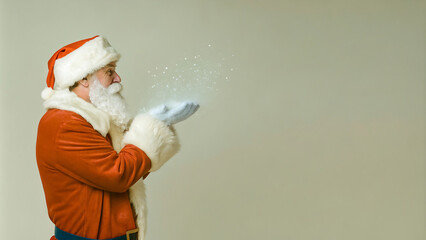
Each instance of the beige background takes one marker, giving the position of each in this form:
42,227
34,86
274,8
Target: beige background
319,134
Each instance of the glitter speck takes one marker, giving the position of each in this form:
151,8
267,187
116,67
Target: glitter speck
195,64
186,58
209,45
232,69
164,72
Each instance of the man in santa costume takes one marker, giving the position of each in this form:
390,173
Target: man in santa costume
91,159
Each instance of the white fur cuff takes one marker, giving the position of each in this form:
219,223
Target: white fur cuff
154,137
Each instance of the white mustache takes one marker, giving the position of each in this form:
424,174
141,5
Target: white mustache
114,88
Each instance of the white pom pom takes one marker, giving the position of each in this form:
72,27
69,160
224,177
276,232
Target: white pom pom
47,93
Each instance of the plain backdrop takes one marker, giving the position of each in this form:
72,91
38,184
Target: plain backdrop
319,134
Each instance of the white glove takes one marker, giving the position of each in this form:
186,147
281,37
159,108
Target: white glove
176,114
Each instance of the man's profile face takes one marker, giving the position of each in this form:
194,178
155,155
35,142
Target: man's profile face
104,93
107,75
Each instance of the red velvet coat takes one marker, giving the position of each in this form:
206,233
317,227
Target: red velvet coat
85,180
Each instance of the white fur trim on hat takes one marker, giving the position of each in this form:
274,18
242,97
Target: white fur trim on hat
154,137
90,57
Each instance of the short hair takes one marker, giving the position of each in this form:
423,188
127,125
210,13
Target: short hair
73,86
76,83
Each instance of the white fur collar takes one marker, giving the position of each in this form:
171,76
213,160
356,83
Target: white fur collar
66,100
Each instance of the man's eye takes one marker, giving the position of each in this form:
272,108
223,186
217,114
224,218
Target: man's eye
109,72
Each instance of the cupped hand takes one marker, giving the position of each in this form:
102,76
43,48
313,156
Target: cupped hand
175,114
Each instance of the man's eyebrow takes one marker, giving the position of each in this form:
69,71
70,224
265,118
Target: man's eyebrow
111,65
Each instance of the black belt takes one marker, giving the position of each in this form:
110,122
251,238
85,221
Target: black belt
62,235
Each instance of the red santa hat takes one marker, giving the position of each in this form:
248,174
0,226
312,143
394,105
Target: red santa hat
75,61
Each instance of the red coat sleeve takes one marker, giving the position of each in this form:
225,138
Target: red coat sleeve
84,154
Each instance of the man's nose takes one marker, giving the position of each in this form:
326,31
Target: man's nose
117,78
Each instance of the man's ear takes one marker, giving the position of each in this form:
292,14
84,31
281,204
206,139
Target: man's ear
84,82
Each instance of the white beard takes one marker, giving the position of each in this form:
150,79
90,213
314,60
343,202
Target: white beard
110,101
